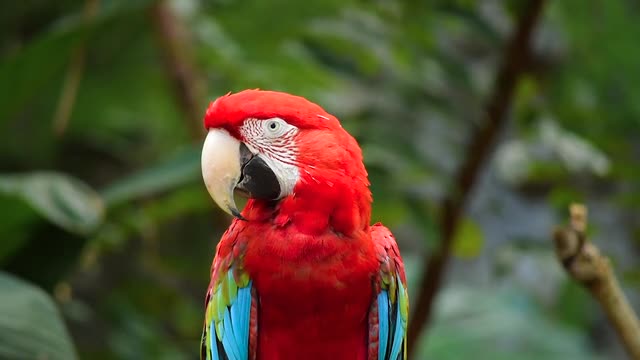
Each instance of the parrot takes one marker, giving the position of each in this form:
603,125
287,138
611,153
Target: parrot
300,273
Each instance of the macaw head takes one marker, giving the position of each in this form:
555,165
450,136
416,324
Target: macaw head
286,154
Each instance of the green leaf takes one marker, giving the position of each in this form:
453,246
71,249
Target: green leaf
30,326
468,240
179,169
63,200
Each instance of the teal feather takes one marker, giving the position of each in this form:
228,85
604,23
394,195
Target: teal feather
383,323
240,320
398,335
213,346
229,341
230,306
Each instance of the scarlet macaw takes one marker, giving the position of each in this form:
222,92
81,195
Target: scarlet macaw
300,273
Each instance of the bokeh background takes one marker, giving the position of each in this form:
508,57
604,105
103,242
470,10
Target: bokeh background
107,232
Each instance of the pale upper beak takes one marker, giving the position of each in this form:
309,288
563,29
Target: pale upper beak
221,168
228,164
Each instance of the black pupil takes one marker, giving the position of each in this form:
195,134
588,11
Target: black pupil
272,125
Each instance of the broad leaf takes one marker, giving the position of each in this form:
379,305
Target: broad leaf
30,324
177,170
63,200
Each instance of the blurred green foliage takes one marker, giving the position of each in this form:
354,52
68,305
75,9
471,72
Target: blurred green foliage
110,218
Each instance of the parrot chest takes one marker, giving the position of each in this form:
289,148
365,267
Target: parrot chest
314,295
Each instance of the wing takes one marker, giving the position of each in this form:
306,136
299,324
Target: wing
231,308
390,308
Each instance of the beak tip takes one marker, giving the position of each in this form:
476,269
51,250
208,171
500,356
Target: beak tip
237,214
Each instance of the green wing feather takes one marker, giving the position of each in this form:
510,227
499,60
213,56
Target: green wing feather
227,317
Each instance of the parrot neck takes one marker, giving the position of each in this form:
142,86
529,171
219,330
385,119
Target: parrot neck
320,203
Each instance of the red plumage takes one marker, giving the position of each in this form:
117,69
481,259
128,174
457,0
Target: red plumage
314,260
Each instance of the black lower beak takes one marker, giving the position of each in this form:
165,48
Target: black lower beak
258,181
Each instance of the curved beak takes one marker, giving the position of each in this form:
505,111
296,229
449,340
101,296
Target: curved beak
228,164
221,168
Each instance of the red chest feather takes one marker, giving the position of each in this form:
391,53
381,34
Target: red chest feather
314,292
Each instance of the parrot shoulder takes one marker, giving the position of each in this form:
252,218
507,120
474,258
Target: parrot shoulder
390,307
230,316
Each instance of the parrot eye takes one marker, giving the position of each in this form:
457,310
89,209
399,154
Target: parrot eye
275,127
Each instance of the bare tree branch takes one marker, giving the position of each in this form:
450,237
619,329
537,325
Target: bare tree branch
176,50
516,56
585,264
74,75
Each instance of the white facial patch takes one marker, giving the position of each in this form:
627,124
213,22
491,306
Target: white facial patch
274,140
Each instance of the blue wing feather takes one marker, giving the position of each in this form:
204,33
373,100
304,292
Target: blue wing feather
240,321
244,309
235,327
383,318
399,328
231,339
392,324
392,300
213,342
